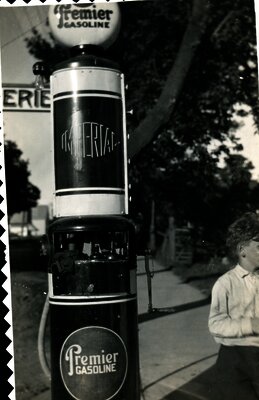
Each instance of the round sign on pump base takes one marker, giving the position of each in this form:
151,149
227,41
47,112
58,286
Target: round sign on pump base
93,360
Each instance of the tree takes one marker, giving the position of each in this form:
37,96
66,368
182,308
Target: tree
196,63
189,91
21,193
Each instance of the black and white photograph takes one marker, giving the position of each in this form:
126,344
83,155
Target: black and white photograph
130,199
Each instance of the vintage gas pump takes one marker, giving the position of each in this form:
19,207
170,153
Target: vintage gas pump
92,257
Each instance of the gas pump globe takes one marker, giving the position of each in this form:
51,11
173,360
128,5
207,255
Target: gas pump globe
92,256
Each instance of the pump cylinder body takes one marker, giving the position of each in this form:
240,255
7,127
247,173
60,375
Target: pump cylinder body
93,309
89,130
92,267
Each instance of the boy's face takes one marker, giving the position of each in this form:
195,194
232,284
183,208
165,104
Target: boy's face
249,256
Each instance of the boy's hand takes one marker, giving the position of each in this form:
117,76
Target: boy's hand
255,325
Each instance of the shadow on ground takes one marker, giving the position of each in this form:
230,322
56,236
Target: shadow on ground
203,387
165,311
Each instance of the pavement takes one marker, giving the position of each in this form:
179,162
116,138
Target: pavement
177,353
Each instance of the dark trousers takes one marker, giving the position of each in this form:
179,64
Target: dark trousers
237,371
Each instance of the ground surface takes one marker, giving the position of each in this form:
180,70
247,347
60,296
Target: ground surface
28,297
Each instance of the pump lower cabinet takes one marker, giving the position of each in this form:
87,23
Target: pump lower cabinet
93,309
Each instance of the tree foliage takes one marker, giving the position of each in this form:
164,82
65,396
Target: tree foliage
222,72
179,168
21,193
191,66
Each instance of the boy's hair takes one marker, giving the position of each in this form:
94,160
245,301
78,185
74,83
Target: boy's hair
243,230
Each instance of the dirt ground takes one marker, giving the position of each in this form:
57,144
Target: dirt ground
29,291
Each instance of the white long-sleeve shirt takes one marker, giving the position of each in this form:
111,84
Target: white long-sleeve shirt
235,301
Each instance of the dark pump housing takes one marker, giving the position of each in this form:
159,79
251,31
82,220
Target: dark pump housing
92,263
93,309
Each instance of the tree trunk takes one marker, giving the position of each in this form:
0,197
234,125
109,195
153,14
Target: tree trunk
161,112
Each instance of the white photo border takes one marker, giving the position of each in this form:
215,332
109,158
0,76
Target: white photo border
7,359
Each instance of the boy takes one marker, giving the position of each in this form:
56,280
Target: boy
234,314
